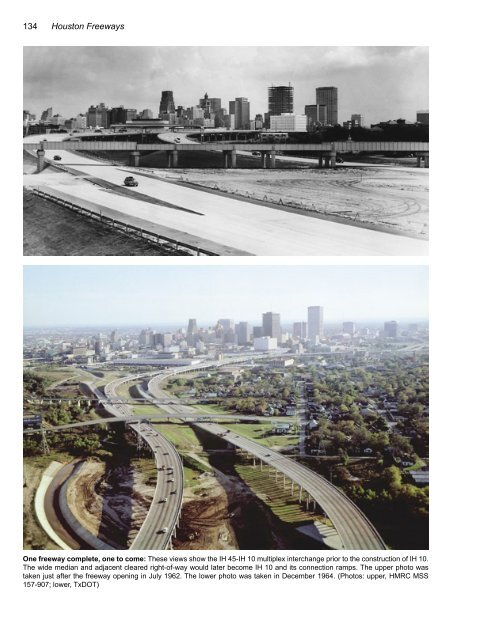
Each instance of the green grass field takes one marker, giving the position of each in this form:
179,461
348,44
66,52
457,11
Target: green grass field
259,431
272,493
181,435
145,409
185,441
211,409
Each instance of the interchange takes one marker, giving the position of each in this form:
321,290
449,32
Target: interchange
353,527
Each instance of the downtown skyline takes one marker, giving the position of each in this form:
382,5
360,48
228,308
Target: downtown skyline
73,296
381,83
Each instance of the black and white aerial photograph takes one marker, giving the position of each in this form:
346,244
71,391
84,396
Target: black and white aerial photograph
226,151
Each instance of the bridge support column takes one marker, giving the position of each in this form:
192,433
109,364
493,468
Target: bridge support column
320,161
225,158
260,460
292,488
268,160
175,158
233,159
40,160
284,482
300,494
134,158
276,475
326,159
263,160
253,464
273,159
308,499
333,159
426,161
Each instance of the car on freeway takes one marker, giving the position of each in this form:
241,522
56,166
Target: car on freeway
162,531
174,491
57,158
131,182
162,500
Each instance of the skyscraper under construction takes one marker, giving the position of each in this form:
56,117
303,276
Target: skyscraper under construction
280,100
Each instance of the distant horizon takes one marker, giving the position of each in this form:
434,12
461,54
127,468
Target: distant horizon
379,82
207,324
149,295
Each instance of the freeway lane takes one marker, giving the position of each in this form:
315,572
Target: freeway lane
353,527
164,512
251,228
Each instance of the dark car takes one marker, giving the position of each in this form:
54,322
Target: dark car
131,182
57,158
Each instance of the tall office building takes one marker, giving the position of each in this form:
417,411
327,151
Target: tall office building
349,327
192,331
300,330
211,105
243,332
46,115
271,325
240,107
316,115
423,117
98,116
280,100
119,114
391,329
328,96
227,324
257,332
167,105
357,120
314,322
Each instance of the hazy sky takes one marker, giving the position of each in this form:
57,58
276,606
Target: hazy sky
164,295
379,82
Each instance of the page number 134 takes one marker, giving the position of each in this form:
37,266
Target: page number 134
30,26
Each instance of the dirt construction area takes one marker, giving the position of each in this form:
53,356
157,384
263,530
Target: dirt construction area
110,502
394,198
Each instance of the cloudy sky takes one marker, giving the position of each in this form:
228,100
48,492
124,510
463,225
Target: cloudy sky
156,295
379,82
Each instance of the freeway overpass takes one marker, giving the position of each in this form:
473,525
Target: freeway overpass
325,151
353,527
168,211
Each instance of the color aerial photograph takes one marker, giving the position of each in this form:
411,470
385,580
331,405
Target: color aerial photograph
226,407
226,151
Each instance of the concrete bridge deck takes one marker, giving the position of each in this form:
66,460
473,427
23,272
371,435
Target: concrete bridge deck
326,151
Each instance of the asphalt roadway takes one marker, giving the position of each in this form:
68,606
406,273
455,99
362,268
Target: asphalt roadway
252,228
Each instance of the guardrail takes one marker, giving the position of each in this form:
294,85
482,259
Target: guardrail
129,229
